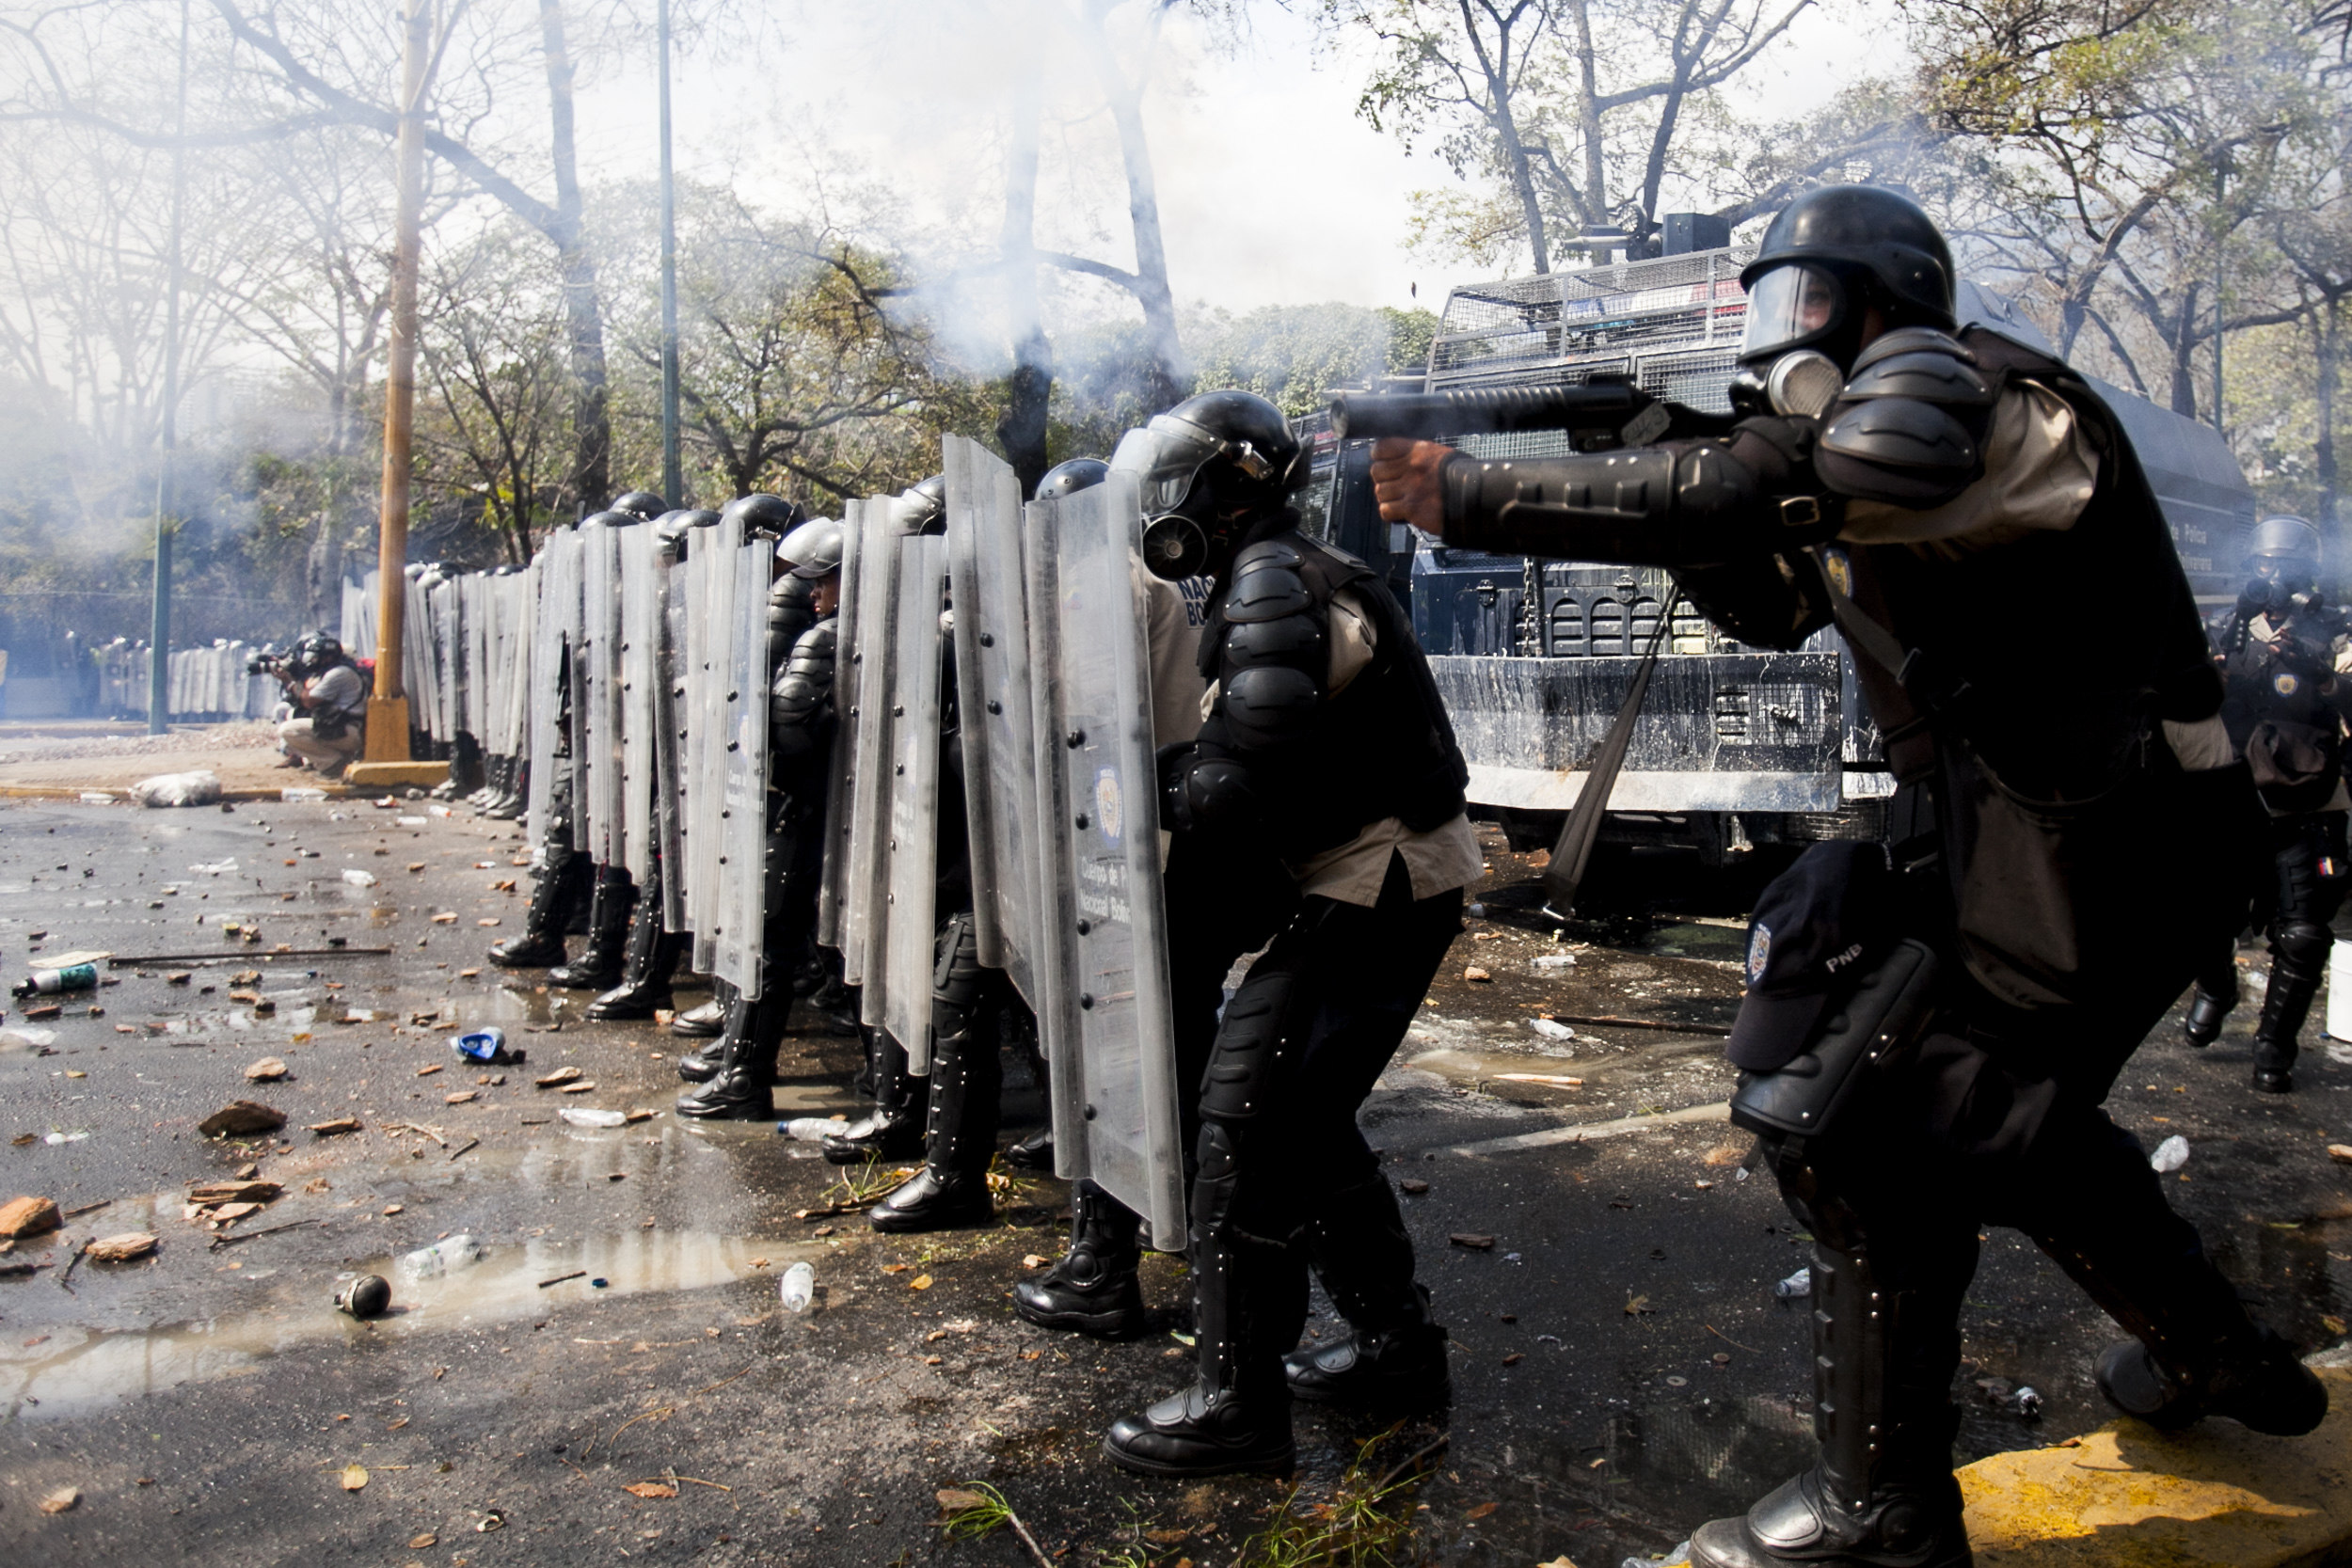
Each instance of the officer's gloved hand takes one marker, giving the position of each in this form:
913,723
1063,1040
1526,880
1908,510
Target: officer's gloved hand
1172,764
1778,449
1204,790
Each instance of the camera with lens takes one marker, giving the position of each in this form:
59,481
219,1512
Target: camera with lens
266,664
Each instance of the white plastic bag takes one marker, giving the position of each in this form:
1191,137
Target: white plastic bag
199,789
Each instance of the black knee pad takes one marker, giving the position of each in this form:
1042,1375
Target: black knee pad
1249,1046
2302,942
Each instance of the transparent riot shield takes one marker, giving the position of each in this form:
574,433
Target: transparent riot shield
993,685
840,785
1103,920
912,845
555,625
639,634
743,857
865,907
719,551
600,646
669,733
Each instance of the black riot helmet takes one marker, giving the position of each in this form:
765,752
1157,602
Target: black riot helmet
1209,470
613,519
1068,479
641,504
2282,556
315,653
1828,258
764,515
813,550
923,506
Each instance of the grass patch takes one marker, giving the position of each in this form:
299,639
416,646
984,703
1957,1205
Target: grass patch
1366,1523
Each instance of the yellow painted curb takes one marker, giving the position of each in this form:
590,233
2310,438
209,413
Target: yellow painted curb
386,775
2130,1497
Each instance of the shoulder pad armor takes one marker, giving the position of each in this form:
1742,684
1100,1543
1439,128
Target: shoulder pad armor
1912,340
1269,583
1936,378
1896,450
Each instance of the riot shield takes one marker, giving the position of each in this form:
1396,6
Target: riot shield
639,631
910,846
992,648
669,685
743,814
601,652
555,620
1104,1010
864,909
834,888
717,554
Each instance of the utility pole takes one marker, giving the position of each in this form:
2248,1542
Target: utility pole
159,622
2220,182
672,475
387,709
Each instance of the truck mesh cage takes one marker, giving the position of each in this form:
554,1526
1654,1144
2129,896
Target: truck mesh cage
1672,325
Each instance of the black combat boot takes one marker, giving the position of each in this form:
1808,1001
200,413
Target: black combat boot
1249,1300
967,1079
1394,1357
2256,1380
487,788
894,1129
514,796
744,1087
600,967
1884,1494
1034,1153
1094,1289
2208,1010
557,890
707,1022
465,769
701,1064
2298,960
651,957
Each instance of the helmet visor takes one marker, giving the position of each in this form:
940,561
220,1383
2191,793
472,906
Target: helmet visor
1165,457
1791,304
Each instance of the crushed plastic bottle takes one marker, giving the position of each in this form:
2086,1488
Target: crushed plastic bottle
2027,1403
295,795
441,1258
1554,960
1551,1028
486,1044
1797,1286
357,877
48,982
2171,1155
811,1130
580,1117
410,821
800,1288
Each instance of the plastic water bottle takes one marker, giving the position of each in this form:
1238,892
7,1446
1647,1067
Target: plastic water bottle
811,1130
579,1118
441,1258
48,982
2171,1155
800,1288
1551,1029
1796,1286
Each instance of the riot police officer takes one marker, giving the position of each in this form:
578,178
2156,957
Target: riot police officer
736,1073
1327,746
2285,711
2070,850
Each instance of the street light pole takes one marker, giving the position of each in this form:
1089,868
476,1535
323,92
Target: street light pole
672,477
159,622
387,709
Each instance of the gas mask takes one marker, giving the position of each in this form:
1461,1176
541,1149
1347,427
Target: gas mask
1187,527
1803,330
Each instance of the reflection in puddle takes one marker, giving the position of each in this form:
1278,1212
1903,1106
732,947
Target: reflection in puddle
72,1367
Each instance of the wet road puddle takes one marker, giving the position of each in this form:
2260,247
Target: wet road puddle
70,1369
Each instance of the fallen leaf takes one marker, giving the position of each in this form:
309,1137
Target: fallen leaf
584,1086
1514,1358
458,1099
447,917
1033,1260
416,865
354,1478
268,1069
895,1268
920,1282
1414,1185
340,1124
2333,1326
429,1071
122,1248
487,920
391,1208
467,974
61,1499
1482,1510
649,1489
1476,1244
1636,1305
423,1542
561,1075
955,1499
1166,1536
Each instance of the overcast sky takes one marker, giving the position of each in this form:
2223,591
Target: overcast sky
1272,190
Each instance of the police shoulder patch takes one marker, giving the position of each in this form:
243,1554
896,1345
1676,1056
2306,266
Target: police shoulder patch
1759,952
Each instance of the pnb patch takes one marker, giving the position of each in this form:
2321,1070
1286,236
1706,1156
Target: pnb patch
1107,802
2285,685
1759,952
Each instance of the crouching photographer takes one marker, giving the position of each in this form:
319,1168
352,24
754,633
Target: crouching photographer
329,699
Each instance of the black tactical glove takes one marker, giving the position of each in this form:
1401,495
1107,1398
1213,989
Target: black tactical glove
1206,792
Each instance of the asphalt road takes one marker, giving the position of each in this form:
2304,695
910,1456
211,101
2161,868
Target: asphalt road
1623,1369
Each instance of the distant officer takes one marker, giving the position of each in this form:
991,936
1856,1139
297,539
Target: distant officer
1327,746
736,1072
2070,837
330,701
2285,711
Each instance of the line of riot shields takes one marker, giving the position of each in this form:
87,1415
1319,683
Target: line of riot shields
616,691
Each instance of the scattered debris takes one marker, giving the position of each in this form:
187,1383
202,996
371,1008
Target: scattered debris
61,1499
1796,1286
368,1296
649,1489
241,1118
332,1129
28,1216
1476,973
2171,1155
122,1248
1551,1029
267,1070
1475,1242
354,1477
561,1075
